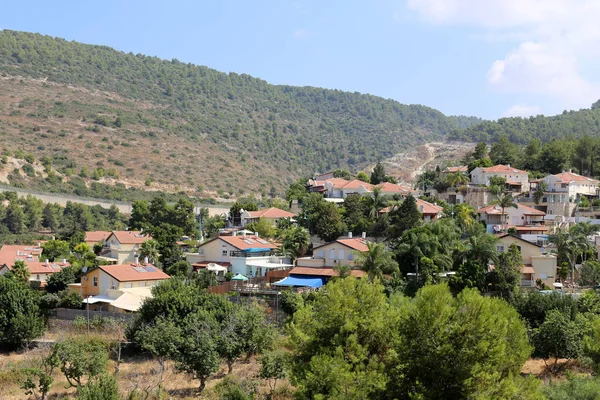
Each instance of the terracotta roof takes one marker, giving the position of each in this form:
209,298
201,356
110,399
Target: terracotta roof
531,228
358,244
505,234
324,272
131,237
428,208
355,184
46,268
460,168
567,177
494,209
134,272
272,212
527,269
11,253
337,183
503,169
388,187
246,242
96,236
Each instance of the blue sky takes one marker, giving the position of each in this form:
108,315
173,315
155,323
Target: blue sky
503,57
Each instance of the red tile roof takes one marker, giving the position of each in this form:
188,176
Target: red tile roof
503,169
46,268
428,208
572,177
131,237
247,242
355,184
388,187
96,236
358,244
460,168
324,271
11,253
494,209
272,212
337,183
134,272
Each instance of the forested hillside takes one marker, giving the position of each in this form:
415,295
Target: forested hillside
573,124
173,123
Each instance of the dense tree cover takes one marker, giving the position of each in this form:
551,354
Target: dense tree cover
29,215
355,343
286,124
21,318
181,322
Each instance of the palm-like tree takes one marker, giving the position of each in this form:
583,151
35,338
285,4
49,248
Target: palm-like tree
377,261
415,246
456,179
295,241
376,202
505,200
568,247
149,249
480,248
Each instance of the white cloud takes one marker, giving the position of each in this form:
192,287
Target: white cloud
553,40
522,110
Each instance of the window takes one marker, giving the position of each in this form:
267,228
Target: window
128,284
38,277
95,281
321,254
332,254
350,257
224,253
500,249
341,254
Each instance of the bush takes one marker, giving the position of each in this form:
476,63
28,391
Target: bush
234,388
104,388
29,171
79,323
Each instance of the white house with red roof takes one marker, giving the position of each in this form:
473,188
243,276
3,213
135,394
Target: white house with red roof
572,184
249,255
272,215
122,246
428,210
525,219
339,188
516,179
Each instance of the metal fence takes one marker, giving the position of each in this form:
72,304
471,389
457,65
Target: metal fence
70,314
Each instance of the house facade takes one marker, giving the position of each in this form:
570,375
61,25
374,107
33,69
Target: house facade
536,264
336,253
273,215
524,218
123,246
94,237
516,179
39,271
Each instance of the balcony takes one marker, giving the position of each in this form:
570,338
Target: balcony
246,254
527,283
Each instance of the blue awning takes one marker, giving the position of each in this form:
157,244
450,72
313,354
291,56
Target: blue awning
255,250
300,281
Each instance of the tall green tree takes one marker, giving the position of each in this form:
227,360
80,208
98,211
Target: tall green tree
404,217
20,271
378,174
377,261
295,239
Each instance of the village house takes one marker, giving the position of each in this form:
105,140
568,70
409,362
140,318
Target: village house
94,237
429,211
525,219
563,192
339,252
536,264
516,179
102,286
339,188
121,247
273,215
39,271
248,255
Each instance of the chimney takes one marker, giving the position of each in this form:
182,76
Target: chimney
234,233
244,233
364,235
508,165
136,259
39,244
47,262
256,234
570,170
350,235
64,260
145,260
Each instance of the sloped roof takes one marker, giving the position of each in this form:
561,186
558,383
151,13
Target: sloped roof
572,177
494,209
134,272
246,242
324,272
272,212
11,253
503,169
46,268
96,236
337,183
388,187
356,183
426,207
131,237
460,168
358,244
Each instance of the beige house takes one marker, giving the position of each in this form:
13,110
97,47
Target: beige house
524,219
38,270
94,237
536,264
123,246
516,179
338,252
273,215
101,286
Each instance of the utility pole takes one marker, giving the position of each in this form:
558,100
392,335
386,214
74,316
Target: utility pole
87,306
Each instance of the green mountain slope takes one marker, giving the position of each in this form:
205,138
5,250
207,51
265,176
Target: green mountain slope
189,125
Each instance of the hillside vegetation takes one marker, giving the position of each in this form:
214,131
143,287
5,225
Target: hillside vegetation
176,125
